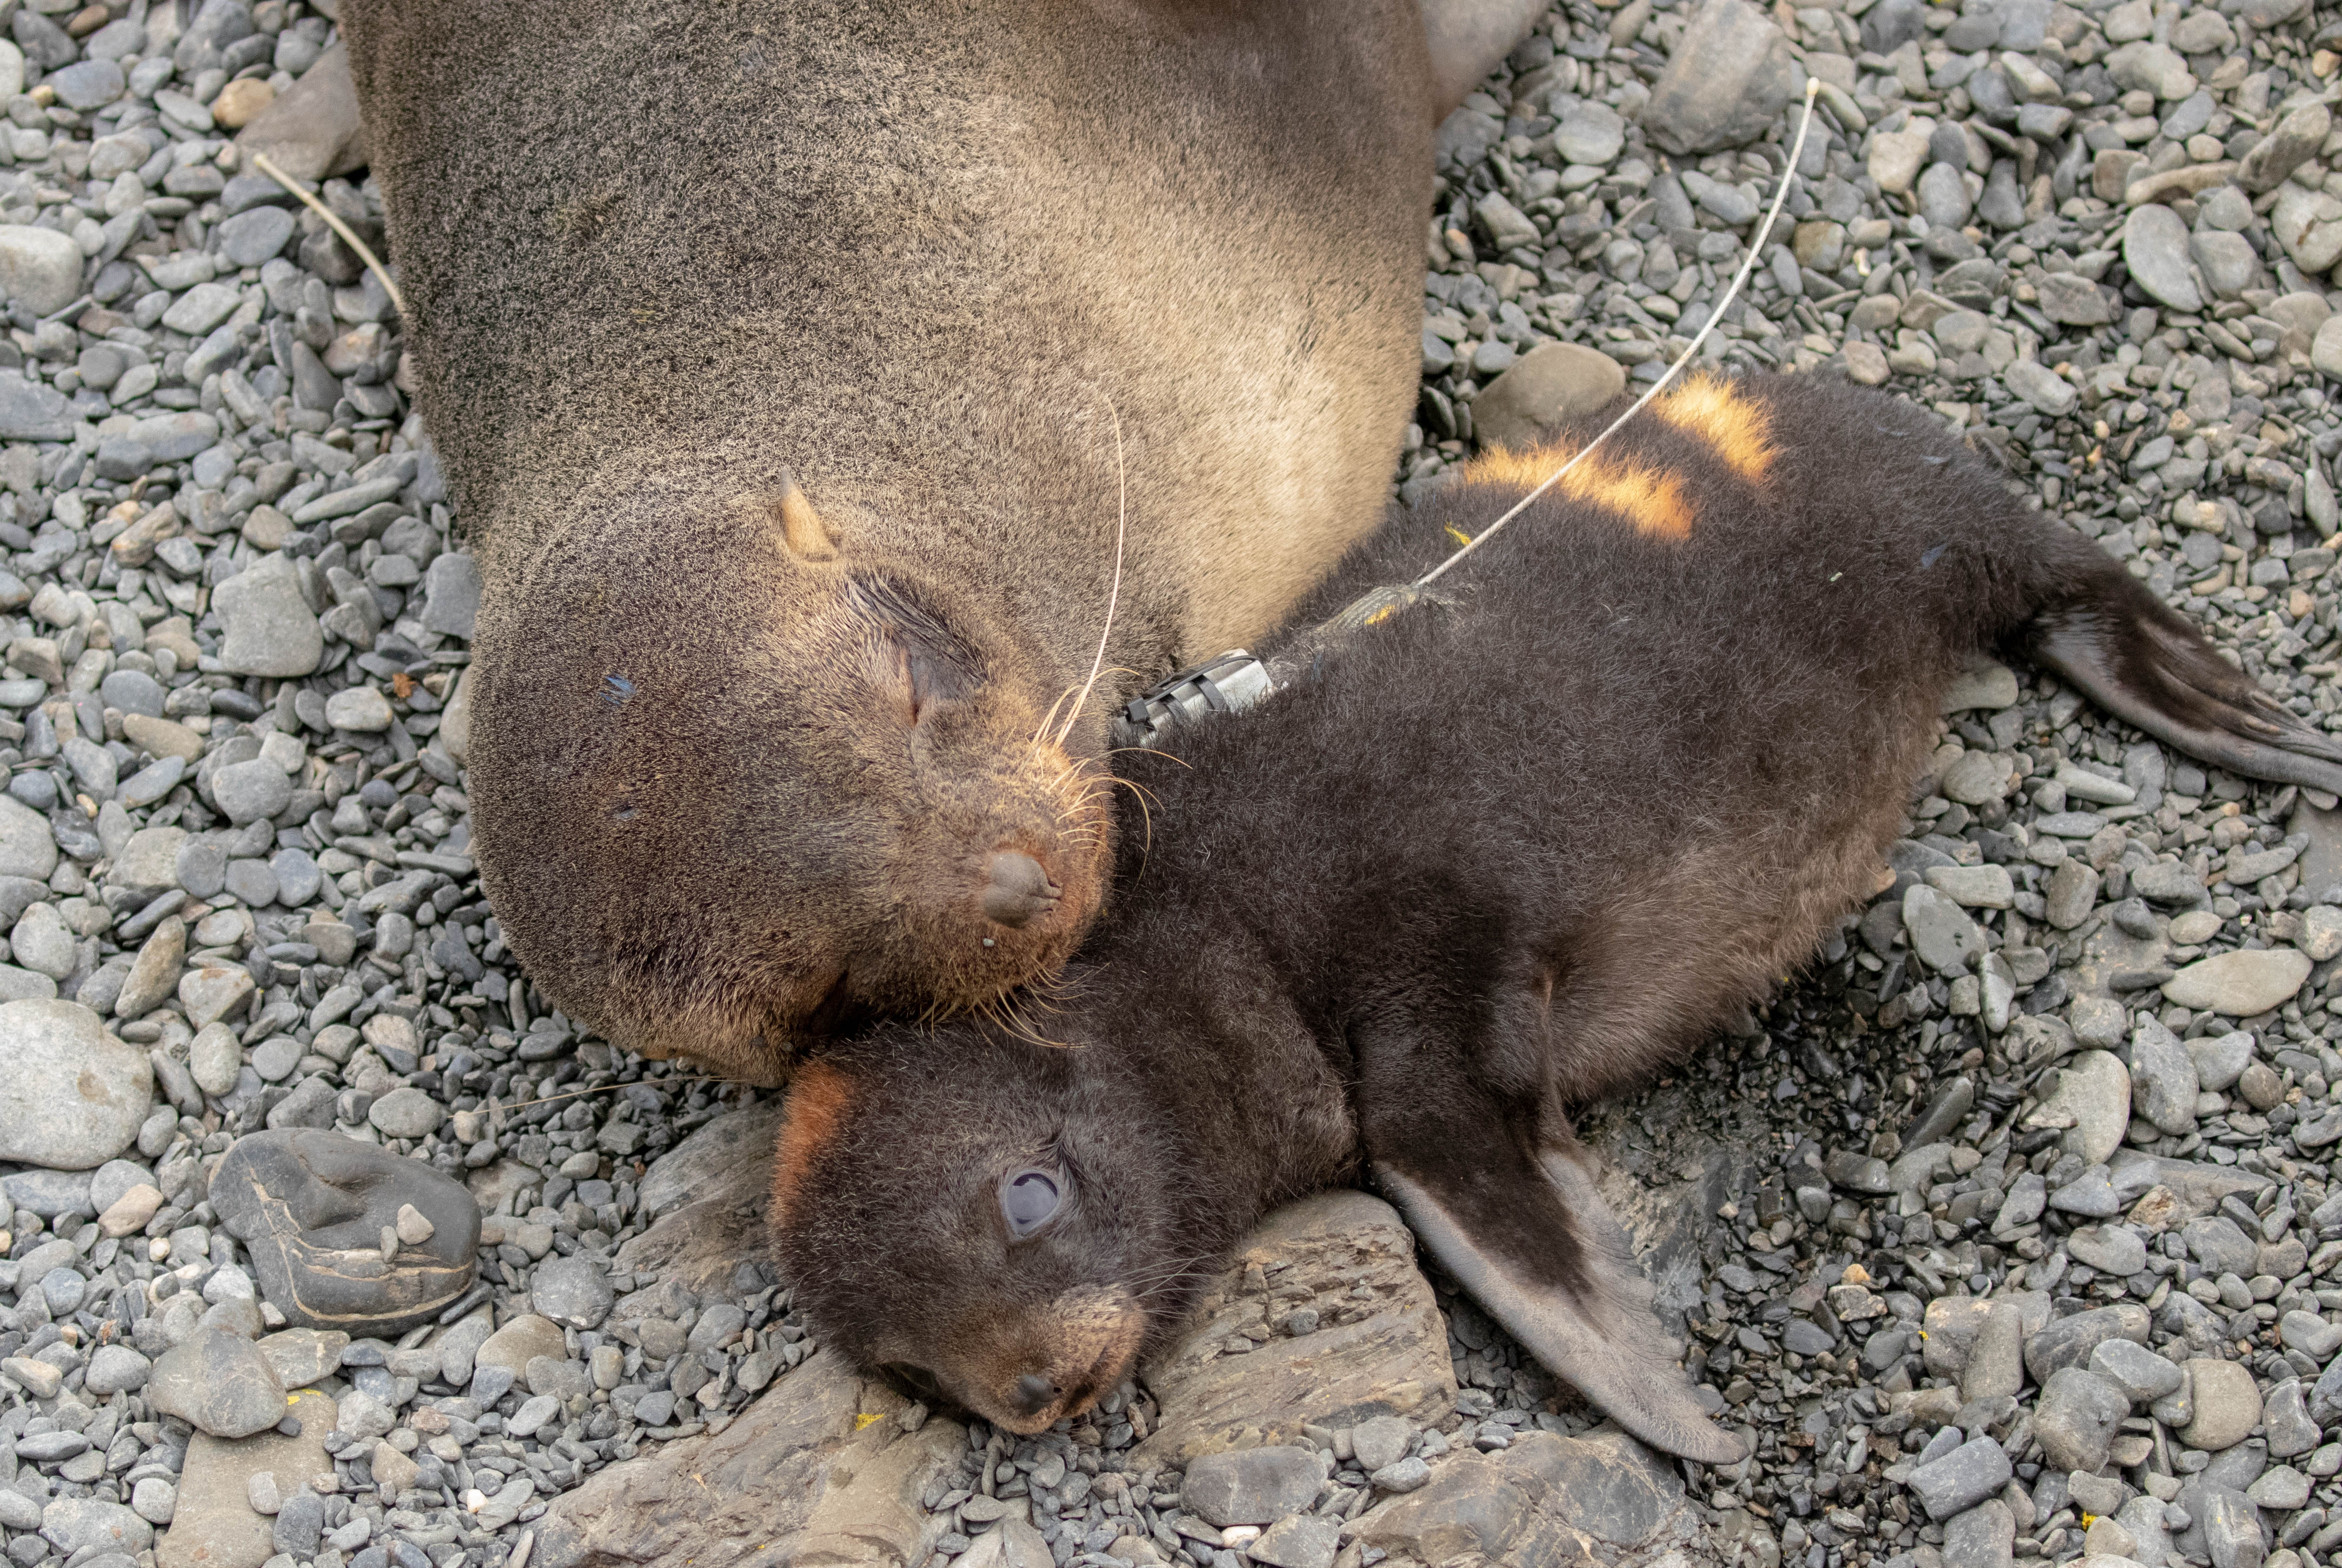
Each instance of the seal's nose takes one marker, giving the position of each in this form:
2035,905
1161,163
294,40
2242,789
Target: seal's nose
1035,1393
1019,891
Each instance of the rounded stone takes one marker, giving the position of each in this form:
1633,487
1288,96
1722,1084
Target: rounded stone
406,1113
2091,1096
1549,385
2077,1418
154,1500
1976,778
1251,1485
201,865
208,996
268,626
2241,984
71,1094
251,882
28,847
1865,365
40,942
1728,75
40,269
359,709
251,792
117,1369
574,1292
2227,1404
87,84
219,1383
239,104
2325,348
256,235
2155,249
214,1058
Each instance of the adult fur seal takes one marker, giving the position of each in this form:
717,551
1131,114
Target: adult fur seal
1487,862
797,366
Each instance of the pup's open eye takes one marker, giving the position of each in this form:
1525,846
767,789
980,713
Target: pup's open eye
1028,1201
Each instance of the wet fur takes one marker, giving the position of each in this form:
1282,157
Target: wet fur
1487,863
911,254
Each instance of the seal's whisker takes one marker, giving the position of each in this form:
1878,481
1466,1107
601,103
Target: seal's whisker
1034,748
1113,593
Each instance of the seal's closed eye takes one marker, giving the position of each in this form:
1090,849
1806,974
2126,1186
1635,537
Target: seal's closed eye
1028,1199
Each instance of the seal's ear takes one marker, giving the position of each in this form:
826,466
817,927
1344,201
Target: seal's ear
1513,1214
802,529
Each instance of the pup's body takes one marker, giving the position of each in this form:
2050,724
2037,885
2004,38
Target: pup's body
748,753
1488,861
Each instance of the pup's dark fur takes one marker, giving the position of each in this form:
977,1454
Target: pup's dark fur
750,753
1488,863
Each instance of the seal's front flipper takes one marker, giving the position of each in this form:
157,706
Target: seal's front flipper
1529,1236
2142,661
1468,38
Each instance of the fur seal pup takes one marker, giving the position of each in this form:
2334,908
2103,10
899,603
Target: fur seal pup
798,368
1478,865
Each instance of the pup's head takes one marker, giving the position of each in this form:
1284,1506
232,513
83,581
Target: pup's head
984,1217
734,782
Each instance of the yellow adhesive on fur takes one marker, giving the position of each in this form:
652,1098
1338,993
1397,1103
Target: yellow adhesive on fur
1654,502
1710,409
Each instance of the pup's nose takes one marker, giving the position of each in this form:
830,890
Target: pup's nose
1018,892
1036,1393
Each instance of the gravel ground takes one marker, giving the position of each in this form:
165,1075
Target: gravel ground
2021,1242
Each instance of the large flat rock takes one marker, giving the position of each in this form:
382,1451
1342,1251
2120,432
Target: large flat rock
1382,1353
713,1187
214,1525
818,1472
1546,1499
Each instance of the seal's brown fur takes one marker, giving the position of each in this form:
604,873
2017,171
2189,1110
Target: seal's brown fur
748,754
1480,865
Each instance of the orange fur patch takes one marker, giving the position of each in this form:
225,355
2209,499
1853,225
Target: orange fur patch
819,1097
1654,502
1711,410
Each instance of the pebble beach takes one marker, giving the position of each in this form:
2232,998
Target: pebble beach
2012,1229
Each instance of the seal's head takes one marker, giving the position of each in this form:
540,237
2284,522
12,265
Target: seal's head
1043,1198
732,783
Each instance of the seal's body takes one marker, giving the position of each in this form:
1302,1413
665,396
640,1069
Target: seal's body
1484,862
798,367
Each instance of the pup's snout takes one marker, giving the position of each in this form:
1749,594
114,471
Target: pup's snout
1035,1394
1019,891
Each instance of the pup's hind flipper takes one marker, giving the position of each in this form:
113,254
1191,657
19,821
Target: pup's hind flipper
2119,645
1598,1330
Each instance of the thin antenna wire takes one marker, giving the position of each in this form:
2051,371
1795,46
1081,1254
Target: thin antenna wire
1114,595
260,161
1747,265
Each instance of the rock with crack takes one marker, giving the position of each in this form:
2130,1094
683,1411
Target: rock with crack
709,1193
312,1207
819,1470
1336,1325
1546,1499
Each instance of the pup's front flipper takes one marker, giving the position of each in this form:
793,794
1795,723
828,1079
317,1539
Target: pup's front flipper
2142,661
1532,1240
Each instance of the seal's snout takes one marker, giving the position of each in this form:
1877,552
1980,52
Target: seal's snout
1063,1355
1035,1394
1018,891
